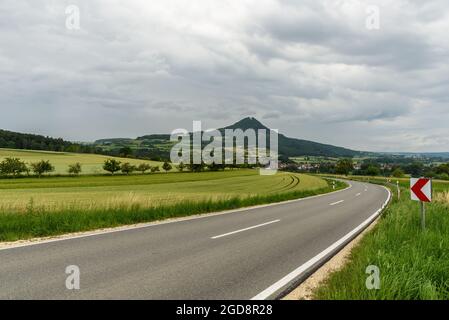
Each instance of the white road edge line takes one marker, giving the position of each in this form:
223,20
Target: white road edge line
144,225
338,202
246,229
306,266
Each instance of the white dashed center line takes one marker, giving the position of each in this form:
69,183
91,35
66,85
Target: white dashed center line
246,229
338,202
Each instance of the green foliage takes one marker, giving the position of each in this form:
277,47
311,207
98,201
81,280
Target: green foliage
15,140
167,166
181,166
155,169
41,167
126,152
143,167
111,165
443,176
344,166
373,171
398,173
127,168
12,166
75,168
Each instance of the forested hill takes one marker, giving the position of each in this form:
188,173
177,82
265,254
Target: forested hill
15,140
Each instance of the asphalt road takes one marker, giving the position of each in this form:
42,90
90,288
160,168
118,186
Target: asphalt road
238,255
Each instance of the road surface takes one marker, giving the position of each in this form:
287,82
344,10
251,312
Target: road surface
255,253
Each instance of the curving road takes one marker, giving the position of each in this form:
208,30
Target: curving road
256,253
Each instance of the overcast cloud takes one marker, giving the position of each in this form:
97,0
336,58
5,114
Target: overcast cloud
309,68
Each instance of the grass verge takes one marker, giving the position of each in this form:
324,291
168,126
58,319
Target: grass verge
413,264
41,223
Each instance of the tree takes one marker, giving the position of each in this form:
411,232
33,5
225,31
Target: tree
126,152
415,169
167,166
12,166
111,165
75,168
373,171
42,167
198,167
398,173
155,169
127,168
181,166
443,176
213,167
344,166
143,167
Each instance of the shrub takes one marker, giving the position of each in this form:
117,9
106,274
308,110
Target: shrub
12,166
111,165
128,168
42,167
75,168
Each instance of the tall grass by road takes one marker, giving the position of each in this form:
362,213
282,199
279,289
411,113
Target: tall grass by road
414,264
181,194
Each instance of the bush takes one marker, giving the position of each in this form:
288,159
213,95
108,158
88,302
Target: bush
75,168
128,168
111,165
398,173
12,166
155,169
443,176
143,167
42,167
166,166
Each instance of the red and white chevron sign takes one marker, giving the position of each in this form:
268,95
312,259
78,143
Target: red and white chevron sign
421,189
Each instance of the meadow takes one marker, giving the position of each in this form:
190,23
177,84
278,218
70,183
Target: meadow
91,163
32,207
413,263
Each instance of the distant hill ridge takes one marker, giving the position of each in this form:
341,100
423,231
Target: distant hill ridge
289,147
158,145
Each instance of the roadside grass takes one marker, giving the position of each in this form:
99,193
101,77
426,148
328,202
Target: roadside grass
91,163
414,264
189,194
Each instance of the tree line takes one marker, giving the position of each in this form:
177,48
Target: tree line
15,167
15,140
374,168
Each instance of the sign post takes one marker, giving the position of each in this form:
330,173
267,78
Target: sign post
421,190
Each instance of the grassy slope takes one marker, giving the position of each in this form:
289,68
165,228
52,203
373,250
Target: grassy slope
413,264
180,194
91,163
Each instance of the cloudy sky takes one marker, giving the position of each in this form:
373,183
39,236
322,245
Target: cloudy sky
318,70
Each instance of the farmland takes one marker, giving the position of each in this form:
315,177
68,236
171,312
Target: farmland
54,205
91,163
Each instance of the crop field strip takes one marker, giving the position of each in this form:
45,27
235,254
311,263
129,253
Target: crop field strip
149,190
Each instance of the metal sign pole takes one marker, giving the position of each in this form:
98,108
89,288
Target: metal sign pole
423,215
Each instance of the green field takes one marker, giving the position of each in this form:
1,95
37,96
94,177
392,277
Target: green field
413,264
98,192
31,207
91,163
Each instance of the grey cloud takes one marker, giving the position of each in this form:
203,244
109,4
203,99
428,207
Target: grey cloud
310,68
